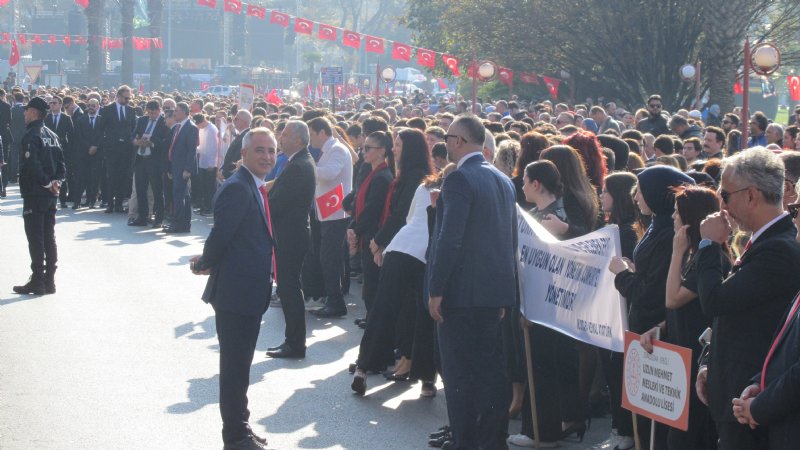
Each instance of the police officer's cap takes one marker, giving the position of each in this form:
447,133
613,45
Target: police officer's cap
37,103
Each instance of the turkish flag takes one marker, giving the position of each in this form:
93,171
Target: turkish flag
471,69
794,87
13,58
330,202
552,86
426,58
67,40
22,38
273,97
279,18
326,32
506,76
452,64
209,3
529,77
4,2
442,84
83,3
401,51
256,11
234,6
303,26
351,39
51,39
37,39
737,88
374,44
81,40
158,43
6,37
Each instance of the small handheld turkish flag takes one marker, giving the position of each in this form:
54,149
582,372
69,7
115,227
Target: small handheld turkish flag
794,87
330,202
13,59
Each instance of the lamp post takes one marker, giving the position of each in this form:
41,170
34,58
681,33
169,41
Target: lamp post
388,74
691,72
764,59
482,71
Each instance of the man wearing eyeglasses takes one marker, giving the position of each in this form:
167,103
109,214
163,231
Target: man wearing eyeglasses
747,305
655,123
120,121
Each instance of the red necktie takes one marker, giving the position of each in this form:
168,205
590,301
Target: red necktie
174,138
263,190
792,312
746,247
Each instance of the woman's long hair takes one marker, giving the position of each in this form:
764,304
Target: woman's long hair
620,187
531,146
694,203
577,187
415,156
588,146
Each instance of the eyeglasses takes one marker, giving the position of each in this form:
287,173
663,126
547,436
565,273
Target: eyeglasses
793,208
654,106
371,147
725,195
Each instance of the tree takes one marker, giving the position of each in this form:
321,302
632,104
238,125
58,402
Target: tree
154,11
94,24
127,13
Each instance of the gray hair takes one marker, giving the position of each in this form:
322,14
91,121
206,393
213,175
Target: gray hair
760,168
776,125
260,131
299,129
246,114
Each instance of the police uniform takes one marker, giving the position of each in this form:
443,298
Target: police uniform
41,163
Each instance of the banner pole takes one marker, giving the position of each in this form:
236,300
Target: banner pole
637,442
531,385
653,421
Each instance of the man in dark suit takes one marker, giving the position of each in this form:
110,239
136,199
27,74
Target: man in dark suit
62,125
120,120
182,156
241,123
151,138
5,136
290,198
72,108
748,304
772,402
475,215
88,155
17,131
238,257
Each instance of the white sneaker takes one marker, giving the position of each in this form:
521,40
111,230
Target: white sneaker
609,443
312,305
624,443
521,440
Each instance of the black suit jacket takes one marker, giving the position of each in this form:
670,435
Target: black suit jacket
368,222
184,150
5,124
64,130
746,307
118,131
233,154
17,123
778,407
76,114
87,136
289,201
160,137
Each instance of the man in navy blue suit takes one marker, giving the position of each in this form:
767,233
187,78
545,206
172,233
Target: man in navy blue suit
182,156
238,257
471,282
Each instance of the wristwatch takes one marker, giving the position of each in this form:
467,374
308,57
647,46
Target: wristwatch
704,243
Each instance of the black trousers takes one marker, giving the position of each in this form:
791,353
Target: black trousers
612,363
89,172
118,174
237,335
371,273
39,217
398,292
289,265
69,189
181,201
148,173
735,436
324,266
477,389
206,186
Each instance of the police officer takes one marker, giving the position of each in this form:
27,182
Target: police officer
41,171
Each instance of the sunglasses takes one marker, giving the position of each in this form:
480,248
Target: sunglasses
793,208
655,106
725,195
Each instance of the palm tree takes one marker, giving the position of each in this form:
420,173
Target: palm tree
94,22
154,10
126,69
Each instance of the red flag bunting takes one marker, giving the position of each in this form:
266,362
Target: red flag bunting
452,64
257,11
6,37
351,39
4,2
326,32
51,39
401,51
303,26
13,59
737,88
374,44
22,38
529,77
158,43
426,58
81,40
552,86
279,18
37,39
794,87
209,3
234,6
506,76
67,41
82,3
273,97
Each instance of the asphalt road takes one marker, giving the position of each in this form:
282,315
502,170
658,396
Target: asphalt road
125,355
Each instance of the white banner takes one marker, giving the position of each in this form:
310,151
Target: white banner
247,94
566,285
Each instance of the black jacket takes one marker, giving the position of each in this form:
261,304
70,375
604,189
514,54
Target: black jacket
87,136
402,196
233,154
64,130
41,161
289,201
368,222
160,138
118,131
746,307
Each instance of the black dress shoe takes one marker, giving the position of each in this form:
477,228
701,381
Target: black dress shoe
359,385
439,441
260,439
119,209
442,431
247,443
156,224
176,230
76,206
137,222
91,205
109,210
329,311
286,351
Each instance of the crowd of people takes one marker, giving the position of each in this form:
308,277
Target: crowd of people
417,201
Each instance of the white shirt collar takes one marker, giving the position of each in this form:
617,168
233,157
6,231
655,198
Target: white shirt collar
765,227
259,181
466,157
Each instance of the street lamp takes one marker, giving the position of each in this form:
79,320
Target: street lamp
388,74
691,72
764,60
483,71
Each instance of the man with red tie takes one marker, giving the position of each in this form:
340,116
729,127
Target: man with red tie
748,304
773,400
238,256
182,157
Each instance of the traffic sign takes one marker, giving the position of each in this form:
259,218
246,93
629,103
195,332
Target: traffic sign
332,76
